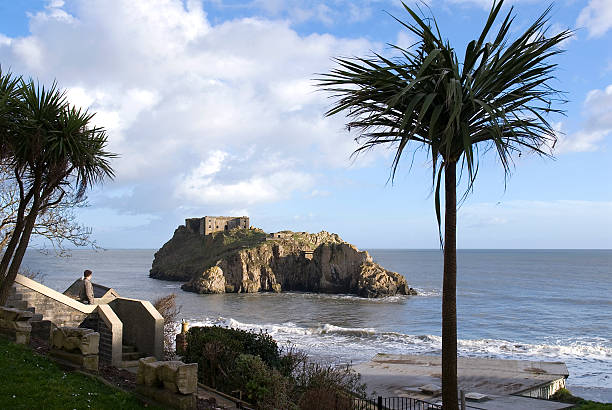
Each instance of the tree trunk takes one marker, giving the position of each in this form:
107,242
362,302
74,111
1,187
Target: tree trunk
10,249
15,238
9,279
449,291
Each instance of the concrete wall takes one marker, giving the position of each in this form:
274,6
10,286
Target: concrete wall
143,326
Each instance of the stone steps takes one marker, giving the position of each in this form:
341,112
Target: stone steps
15,300
41,329
129,349
129,364
18,304
132,356
14,296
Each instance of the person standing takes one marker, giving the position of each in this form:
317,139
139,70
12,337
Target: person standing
86,294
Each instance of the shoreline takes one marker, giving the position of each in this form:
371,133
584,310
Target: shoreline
506,307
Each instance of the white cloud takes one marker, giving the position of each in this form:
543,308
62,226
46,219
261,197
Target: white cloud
359,12
598,104
29,51
203,187
596,17
580,141
597,126
4,40
405,39
230,107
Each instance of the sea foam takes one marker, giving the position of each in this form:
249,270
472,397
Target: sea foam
587,359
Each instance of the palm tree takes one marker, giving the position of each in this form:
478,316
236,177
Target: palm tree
496,99
52,151
8,97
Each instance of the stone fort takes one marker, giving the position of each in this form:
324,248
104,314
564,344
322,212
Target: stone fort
211,224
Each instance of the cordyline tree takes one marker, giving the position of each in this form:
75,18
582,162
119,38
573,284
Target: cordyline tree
496,99
52,151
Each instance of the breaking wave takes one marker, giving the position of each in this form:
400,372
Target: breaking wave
588,360
431,292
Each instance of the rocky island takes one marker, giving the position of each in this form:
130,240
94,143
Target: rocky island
242,259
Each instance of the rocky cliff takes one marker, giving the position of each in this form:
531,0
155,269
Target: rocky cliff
242,260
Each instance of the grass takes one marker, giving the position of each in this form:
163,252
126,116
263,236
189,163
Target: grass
188,254
32,381
564,396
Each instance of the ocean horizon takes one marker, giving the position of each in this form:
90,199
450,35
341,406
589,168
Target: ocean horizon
524,304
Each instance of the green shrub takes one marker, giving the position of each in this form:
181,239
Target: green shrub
565,396
251,365
259,384
326,384
216,349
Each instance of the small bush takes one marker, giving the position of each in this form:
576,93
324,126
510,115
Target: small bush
565,396
251,366
259,384
326,385
216,349
291,360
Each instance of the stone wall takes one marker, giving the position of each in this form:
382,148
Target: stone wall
14,323
61,310
172,383
211,224
57,312
76,345
94,322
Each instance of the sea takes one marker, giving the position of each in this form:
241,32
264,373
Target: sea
550,305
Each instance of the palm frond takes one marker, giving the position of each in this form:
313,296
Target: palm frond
52,140
498,97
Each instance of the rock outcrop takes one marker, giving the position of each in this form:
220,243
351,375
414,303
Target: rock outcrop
243,260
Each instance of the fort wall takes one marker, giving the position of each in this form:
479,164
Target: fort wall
212,224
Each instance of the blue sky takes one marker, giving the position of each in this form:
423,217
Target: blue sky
211,106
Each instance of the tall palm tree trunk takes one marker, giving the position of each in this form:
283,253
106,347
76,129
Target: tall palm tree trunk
449,291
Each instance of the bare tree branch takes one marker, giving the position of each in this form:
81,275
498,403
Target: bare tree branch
56,224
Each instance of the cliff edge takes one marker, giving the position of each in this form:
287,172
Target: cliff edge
246,260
